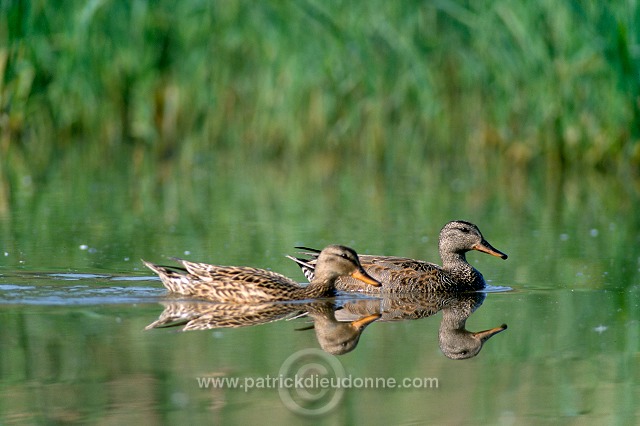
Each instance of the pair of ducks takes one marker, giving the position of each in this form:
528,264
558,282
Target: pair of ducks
334,268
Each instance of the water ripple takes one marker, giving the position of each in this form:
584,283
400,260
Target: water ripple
87,289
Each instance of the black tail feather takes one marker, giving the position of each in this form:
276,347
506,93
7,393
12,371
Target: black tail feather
312,250
308,269
303,263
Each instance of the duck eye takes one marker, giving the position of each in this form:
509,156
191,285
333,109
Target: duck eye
465,230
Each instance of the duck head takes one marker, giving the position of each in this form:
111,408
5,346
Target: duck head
460,237
335,261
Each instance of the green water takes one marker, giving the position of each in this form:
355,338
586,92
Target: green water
231,132
75,299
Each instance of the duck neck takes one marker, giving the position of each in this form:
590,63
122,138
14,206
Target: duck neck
451,322
321,286
455,314
455,263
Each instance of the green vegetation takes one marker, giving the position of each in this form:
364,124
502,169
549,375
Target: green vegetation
388,83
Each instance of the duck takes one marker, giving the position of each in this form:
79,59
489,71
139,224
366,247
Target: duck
406,275
244,284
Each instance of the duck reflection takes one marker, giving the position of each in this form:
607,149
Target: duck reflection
456,342
335,337
338,324
203,315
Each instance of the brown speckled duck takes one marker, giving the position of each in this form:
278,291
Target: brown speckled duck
243,284
404,275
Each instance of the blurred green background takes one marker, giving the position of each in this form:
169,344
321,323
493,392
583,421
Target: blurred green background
384,83
128,125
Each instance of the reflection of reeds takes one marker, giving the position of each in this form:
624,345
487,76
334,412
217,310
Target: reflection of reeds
386,82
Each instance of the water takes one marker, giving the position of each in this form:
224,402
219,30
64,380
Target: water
75,299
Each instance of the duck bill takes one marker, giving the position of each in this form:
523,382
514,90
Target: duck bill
365,278
365,321
486,334
485,247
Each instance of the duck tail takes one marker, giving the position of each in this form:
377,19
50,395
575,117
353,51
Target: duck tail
308,267
311,252
174,279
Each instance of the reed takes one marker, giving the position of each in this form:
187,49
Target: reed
392,84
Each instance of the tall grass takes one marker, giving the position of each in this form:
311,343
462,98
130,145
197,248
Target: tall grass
393,84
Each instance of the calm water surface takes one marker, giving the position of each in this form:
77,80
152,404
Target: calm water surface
75,301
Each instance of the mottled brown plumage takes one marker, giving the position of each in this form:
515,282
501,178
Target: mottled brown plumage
243,284
404,275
